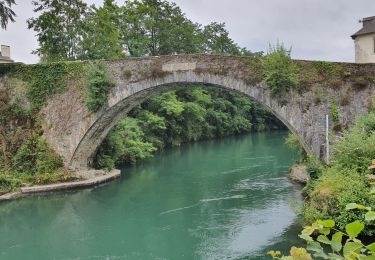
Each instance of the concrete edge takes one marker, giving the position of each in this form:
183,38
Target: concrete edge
11,196
93,181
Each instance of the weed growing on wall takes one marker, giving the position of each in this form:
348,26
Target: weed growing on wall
279,70
335,115
328,69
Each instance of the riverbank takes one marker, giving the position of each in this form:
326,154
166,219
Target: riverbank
87,179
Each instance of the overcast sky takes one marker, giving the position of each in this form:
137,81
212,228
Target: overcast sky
316,29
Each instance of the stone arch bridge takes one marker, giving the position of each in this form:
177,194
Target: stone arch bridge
75,133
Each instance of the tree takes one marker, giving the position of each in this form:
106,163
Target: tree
69,30
59,28
157,27
101,39
6,13
217,41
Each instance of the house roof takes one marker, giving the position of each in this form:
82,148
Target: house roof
368,27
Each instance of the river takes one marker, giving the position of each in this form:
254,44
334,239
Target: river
219,199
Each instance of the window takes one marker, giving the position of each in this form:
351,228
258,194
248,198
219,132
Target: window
373,40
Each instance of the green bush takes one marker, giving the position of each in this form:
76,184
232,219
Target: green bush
357,147
314,166
342,243
153,126
345,181
32,161
279,71
7,183
99,85
330,194
35,157
124,144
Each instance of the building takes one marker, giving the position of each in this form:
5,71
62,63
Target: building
5,54
364,41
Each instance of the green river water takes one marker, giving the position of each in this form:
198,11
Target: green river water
220,199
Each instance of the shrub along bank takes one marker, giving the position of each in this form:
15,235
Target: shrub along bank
339,207
345,180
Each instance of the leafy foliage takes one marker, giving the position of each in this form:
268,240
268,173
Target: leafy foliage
279,70
34,157
314,166
181,116
99,85
30,161
101,37
332,192
125,143
345,181
356,149
216,40
43,80
6,13
156,27
59,28
72,30
322,235
326,68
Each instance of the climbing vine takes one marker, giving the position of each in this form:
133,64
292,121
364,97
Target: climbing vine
43,80
99,85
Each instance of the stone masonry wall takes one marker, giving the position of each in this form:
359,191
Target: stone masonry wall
75,133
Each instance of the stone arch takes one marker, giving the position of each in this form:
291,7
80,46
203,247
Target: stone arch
75,133
125,96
